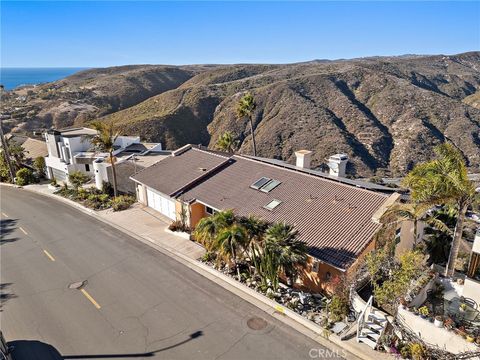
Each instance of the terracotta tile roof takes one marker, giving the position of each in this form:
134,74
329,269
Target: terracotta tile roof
182,168
333,218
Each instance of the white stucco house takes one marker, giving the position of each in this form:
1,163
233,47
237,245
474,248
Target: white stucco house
70,150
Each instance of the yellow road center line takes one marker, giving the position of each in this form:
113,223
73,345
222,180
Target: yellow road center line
89,297
23,230
4,214
49,255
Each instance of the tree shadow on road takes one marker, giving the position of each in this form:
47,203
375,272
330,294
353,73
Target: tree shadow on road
7,226
4,295
33,349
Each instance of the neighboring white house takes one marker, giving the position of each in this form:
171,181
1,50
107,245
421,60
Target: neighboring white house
471,287
70,150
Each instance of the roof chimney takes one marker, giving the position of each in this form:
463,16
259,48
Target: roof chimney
338,164
303,158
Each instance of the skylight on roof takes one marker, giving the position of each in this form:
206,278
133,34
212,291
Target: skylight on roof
259,183
272,204
272,184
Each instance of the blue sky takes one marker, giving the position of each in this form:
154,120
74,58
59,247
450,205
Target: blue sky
84,34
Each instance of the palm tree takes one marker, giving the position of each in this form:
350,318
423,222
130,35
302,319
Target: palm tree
255,230
226,142
210,227
291,252
104,141
245,108
229,242
444,181
414,212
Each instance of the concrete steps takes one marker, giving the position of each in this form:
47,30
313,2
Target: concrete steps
368,341
371,326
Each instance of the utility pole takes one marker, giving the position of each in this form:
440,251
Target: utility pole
5,145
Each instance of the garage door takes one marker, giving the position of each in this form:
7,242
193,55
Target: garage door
161,203
59,174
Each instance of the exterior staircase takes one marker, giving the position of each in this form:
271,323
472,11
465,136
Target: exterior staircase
371,325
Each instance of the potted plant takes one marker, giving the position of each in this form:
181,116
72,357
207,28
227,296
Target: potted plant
448,323
438,322
477,341
423,311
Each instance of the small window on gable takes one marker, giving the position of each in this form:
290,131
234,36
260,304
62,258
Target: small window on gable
209,210
87,167
259,183
272,204
315,266
328,275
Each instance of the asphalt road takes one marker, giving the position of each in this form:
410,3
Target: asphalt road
137,302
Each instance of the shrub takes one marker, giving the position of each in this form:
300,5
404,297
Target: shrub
338,308
39,164
65,191
178,225
82,194
77,179
98,201
417,351
24,177
122,202
405,351
107,188
209,256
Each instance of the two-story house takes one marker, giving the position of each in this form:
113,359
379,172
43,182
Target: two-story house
71,150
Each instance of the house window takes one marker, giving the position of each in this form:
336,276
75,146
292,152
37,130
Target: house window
87,167
209,210
315,266
328,276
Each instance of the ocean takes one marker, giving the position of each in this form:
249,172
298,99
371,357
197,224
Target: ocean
10,78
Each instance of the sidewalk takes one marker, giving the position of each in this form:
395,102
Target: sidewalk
148,226
151,225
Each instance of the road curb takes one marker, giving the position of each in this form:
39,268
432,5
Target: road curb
271,307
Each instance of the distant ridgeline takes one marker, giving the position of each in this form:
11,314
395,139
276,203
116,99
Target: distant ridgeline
385,113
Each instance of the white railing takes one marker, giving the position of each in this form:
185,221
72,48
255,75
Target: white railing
364,315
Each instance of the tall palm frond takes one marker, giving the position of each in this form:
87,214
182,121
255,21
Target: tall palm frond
226,142
281,241
255,230
414,212
104,140
208,228
245,108
444,180
229,242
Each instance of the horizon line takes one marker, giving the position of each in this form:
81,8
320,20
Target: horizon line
239,63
